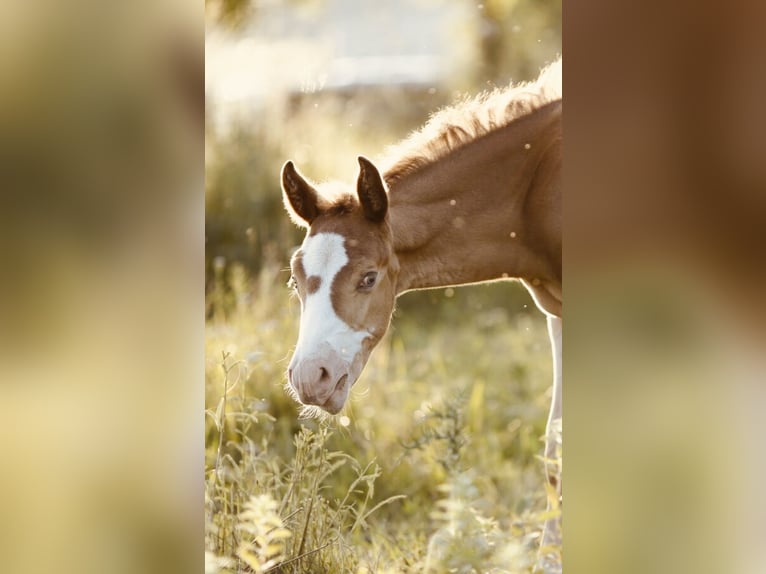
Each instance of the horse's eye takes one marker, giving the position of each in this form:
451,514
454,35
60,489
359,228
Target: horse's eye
368,281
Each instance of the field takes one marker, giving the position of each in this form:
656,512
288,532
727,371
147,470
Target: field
433,466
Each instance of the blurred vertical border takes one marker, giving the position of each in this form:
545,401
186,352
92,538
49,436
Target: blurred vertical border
101,301
665,267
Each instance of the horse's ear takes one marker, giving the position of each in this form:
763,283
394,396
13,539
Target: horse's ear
371,191
300,198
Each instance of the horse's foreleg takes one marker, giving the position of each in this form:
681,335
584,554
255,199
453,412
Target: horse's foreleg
552,528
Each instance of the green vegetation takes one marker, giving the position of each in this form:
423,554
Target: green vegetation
434,464
432,467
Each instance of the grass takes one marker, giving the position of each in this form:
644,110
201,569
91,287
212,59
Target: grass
434,464
432,467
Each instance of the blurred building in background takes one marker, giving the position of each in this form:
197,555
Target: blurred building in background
342,45
333,45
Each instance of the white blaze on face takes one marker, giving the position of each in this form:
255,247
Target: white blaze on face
324,338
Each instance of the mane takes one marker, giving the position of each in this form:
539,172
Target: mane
453,127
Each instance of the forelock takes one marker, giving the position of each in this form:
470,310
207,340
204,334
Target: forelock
337,198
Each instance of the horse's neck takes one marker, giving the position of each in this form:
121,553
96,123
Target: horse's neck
465,217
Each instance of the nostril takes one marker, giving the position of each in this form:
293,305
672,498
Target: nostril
323,374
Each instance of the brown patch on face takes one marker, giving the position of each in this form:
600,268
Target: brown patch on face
313,283
296,266
369,247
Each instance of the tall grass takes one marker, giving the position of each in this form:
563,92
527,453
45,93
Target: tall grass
432,467
434,464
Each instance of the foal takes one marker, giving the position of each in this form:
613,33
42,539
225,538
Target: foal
474,196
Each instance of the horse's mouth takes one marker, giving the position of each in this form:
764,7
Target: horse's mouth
331,405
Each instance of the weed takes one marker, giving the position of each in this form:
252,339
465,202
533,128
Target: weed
432,467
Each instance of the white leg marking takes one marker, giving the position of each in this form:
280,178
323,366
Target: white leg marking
554,331
552,527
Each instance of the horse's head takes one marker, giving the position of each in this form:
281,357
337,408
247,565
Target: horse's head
345,275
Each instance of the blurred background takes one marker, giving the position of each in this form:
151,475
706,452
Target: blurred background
101,246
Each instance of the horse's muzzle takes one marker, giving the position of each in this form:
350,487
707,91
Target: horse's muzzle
321,382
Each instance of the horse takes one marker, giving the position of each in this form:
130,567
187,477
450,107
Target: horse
473,196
